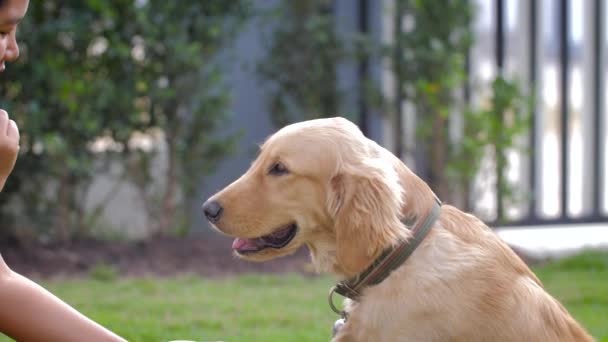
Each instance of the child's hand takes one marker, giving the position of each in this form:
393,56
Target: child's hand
9,146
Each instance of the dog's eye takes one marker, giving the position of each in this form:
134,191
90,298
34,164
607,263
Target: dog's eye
278,169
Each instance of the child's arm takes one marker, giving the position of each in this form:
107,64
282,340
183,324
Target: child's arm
9,146
30,313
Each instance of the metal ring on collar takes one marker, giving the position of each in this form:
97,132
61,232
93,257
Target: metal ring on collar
331,302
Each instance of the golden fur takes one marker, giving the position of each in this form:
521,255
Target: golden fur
347,196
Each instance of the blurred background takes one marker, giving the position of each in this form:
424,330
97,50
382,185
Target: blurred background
133,112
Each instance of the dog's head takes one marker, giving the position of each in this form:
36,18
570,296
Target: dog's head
319,183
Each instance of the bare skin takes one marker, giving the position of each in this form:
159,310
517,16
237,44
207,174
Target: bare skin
28,311
9,146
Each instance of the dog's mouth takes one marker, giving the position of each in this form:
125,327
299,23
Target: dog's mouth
277,239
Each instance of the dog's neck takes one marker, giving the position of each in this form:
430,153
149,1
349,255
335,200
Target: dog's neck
391,258
418,201
419,198
323,254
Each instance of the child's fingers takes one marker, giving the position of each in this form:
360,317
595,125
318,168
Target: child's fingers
3,121
13,130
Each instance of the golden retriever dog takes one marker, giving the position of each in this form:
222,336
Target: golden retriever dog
322,184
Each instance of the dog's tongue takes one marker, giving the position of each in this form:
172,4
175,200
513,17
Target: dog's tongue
244,244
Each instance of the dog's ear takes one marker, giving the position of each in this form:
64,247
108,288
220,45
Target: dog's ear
365,201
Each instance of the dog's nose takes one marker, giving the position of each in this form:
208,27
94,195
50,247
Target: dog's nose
213,211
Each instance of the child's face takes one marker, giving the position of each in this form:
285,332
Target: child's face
11,13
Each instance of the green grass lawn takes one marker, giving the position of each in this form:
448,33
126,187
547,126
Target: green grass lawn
279,308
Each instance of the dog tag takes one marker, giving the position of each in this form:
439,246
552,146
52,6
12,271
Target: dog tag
337,326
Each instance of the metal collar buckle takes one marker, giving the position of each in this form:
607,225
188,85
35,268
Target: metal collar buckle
331,303
340,322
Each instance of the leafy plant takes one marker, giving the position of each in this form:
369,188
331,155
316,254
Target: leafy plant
64,93
180,90
300,67
428,57
494,127
105,72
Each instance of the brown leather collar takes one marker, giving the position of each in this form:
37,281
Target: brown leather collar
390,259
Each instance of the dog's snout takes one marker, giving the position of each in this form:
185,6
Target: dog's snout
213,210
